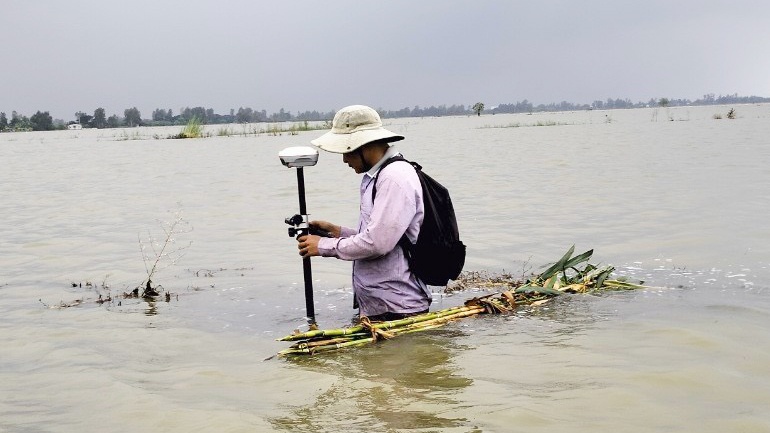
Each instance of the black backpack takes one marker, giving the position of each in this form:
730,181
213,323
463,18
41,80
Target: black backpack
439,254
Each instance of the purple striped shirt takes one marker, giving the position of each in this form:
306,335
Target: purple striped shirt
382,281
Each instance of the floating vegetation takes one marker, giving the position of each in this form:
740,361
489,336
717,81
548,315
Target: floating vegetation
102,295
563,276
274,129
196,129
225,131
730,115
125,136
526,125
295,128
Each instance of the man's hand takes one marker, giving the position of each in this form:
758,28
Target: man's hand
308,245
334,230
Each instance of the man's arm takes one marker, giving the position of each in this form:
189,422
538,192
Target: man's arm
391,214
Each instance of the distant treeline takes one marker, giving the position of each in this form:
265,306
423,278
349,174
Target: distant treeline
611,104
42,121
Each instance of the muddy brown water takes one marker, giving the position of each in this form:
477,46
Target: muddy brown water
672,196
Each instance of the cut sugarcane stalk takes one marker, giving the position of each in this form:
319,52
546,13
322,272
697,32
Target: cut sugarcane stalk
561,277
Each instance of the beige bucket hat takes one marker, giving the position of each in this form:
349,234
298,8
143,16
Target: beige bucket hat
352,127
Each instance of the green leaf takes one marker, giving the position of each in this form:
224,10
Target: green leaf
536,289
579,259
566,262
558,266
603,275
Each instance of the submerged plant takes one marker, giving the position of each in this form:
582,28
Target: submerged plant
519,125
275,130
225,131
160,253
125,136
193,129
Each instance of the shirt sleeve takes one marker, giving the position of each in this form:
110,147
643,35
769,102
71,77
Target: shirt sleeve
392,213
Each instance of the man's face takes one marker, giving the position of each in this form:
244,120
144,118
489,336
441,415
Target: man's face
354,161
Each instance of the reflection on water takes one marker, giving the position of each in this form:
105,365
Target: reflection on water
406,383
416,382
152,308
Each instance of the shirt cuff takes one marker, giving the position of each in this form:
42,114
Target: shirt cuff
327,247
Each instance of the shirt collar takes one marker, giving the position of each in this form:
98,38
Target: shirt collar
391,152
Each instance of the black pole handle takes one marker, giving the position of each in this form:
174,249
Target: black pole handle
307,271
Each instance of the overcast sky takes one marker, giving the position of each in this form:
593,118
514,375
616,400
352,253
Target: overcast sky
79,55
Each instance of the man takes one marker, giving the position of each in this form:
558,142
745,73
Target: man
383,285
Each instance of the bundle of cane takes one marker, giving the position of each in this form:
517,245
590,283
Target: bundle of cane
562,277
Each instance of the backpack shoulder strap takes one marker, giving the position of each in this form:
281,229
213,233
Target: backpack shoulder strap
390,160
404,242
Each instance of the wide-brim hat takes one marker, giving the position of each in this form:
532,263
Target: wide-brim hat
353,127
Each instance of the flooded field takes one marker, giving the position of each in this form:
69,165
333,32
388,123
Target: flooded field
671,196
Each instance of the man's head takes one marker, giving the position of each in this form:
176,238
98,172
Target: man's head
352,128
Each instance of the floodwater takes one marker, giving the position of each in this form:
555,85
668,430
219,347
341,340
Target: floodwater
671,196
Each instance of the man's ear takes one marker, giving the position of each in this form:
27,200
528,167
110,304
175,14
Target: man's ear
373,151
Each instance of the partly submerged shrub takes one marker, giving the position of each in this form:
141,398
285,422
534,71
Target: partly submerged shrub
193,129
